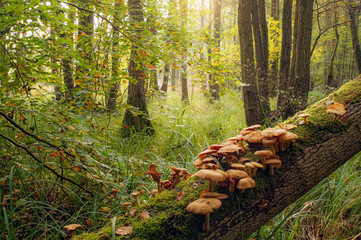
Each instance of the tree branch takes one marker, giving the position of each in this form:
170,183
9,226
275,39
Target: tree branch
39,161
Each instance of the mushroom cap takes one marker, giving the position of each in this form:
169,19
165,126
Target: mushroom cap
336,108
263,153
286,126
249,165
206,152
287,137
304,115
257,165
197,162
272,132
276,162
269,141
212,175
72,227
204,205
238,166
215,195
253,137
229,149
177,170
237,174
154,192
128,203
245,183
246,132
216,146
253,127
135,194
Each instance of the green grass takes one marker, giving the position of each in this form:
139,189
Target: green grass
40,205
331,210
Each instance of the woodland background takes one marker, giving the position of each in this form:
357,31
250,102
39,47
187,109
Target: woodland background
93,92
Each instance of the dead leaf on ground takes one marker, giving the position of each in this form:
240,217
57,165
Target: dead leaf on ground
124,231
180,195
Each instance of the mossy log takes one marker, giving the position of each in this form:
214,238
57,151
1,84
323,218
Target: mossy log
324,145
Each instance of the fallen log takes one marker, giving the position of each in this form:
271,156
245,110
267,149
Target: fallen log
324,145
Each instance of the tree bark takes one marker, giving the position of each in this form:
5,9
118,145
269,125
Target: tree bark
114,88
300,75
285,61
184,77
260,33
164,87
214,84
322,147
331,82
273,70
250,94
352,10
136,117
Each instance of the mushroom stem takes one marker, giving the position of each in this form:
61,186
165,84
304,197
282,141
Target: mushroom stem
241,191
271,170
206,226
211,186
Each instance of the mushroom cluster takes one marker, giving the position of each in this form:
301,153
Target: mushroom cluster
241,170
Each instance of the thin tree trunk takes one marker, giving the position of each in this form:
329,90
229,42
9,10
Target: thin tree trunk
250,94
113,92
136,123
261,53
354,34
214,84
330,76
285,61
273,73
184,77
164,87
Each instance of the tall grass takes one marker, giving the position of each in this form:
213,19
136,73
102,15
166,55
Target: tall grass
36,204
331,210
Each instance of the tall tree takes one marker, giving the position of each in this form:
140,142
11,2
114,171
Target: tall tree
136,117
330,76
260,33
215,81
184,77
285,60
250,94
353,9
300,75
274,55
115,84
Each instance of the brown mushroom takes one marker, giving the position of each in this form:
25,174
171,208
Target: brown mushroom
245,183
71,228
264,154
213,175
337,109
304,116
135,196
272,163
126,205
204,206
285,139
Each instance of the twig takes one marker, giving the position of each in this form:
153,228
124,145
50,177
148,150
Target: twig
34,136
38,160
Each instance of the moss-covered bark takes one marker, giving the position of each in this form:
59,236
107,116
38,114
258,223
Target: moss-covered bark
324,145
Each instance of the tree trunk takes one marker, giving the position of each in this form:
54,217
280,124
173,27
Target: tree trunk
352,10
323,146
214,84
136,118
273,70
250,94
284,91
164,87
300,79
261,47
114,88
331,82
184,77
